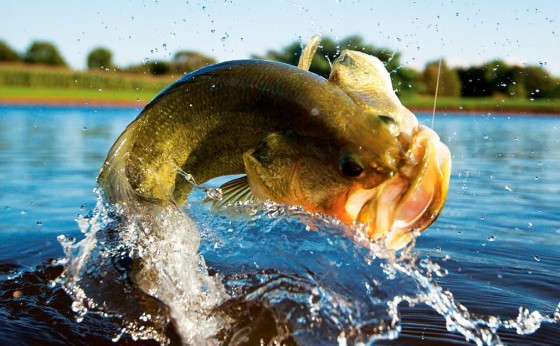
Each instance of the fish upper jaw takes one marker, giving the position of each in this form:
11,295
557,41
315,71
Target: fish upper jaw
410,200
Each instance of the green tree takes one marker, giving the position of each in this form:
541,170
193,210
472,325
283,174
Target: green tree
329,50
499,77
404,80
474,82
408,81
7,53
556,89
538,82
158,67
449,82
99,58
289,54
41,52
516,87
187,61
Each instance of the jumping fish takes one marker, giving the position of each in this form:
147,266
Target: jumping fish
344,147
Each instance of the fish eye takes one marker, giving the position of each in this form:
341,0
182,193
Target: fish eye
387,119
262,153
350,167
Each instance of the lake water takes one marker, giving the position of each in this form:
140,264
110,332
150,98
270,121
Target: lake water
496,242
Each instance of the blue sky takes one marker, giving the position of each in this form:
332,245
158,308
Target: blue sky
464,32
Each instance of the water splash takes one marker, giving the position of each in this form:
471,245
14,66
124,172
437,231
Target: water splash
256,273
143,267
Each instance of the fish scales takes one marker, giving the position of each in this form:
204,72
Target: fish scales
219,112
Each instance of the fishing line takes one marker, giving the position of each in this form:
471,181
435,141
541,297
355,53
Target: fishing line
436,93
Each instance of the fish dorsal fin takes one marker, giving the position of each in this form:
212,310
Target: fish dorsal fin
236,190
309,52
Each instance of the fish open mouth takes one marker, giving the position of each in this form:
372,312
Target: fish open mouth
412,199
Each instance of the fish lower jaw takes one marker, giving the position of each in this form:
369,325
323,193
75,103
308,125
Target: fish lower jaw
411,200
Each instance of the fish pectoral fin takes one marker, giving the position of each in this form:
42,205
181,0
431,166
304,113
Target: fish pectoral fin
236,190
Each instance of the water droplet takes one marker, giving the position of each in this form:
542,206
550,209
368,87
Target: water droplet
537,258
99,89
215,194
138,100
491,238
65,240
39,223
507,188
438,249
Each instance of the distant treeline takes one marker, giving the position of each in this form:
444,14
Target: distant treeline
20,75
493,79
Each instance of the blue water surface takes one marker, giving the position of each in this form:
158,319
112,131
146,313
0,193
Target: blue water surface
498,235
49,160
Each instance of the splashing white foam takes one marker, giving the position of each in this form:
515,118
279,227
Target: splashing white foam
213,275
142,263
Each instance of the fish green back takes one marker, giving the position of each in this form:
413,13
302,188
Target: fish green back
204,122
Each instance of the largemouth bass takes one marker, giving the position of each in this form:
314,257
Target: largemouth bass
344,146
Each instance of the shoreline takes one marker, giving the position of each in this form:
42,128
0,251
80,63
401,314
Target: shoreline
107,103
487,111
64,102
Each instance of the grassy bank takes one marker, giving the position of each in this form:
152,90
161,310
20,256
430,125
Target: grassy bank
138,98
61,96
486,104
27,84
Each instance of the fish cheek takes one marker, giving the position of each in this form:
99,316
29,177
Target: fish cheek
269,169
318,183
